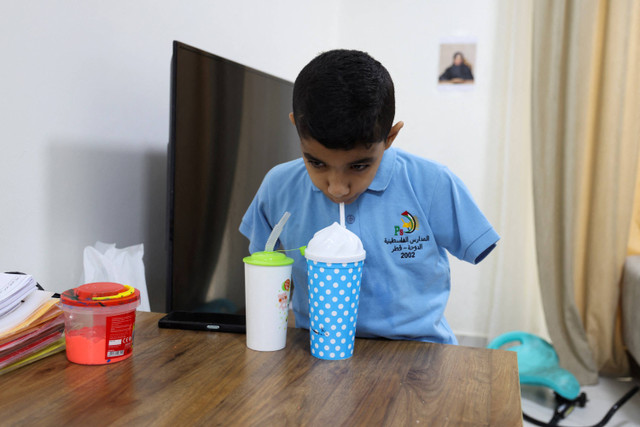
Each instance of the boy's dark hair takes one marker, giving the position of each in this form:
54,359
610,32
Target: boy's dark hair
343,98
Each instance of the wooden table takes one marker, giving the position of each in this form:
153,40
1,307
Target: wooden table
210,378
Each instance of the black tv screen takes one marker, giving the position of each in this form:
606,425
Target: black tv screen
229,126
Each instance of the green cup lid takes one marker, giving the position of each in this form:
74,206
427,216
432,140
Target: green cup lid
269,259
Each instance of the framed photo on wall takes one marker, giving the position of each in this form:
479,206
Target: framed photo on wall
456,62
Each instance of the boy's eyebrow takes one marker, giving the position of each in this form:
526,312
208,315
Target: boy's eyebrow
356,162
310,157
364,160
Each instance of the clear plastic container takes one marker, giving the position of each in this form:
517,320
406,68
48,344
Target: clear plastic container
99,322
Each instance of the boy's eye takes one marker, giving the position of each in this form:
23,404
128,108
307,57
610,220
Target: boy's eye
359,167
315,163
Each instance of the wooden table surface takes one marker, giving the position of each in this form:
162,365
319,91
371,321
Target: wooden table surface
210,378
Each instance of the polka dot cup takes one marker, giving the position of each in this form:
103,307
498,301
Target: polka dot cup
334,293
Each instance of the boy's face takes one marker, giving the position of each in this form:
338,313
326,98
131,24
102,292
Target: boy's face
342,175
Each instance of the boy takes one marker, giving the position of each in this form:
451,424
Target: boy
406,210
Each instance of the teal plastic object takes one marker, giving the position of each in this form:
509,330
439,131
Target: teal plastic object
538,363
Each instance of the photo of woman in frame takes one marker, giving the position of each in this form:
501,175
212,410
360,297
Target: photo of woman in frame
456,61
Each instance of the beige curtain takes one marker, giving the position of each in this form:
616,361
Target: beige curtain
634,232
585,127
511,276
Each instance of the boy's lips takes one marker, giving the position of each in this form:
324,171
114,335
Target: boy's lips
346,201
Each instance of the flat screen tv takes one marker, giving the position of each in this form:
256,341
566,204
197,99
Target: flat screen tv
229,126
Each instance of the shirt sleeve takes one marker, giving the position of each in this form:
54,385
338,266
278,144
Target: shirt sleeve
466,73
456,221
255,223
446,75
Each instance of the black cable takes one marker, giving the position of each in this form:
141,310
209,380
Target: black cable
617,406
605,420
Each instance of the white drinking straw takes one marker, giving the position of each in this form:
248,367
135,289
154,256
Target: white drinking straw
275,233
342,214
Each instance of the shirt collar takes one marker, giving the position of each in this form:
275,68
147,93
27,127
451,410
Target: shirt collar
383,175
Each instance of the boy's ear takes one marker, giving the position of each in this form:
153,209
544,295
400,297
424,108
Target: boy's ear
292,119
395,130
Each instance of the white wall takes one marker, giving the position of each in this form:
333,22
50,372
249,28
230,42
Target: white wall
84,119
84,89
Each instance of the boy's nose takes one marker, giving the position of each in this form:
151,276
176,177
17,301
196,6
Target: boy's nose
338,188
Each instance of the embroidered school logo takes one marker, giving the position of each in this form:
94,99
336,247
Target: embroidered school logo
409,224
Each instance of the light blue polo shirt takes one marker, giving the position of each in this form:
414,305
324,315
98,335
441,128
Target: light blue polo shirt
414,211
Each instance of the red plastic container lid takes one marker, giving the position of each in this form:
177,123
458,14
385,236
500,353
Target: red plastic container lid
100,294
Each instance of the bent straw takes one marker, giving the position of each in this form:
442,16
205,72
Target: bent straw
275,233
342,214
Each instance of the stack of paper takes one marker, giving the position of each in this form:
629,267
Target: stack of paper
31,322
13,289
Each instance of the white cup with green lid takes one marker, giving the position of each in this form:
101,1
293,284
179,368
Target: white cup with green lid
267,292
